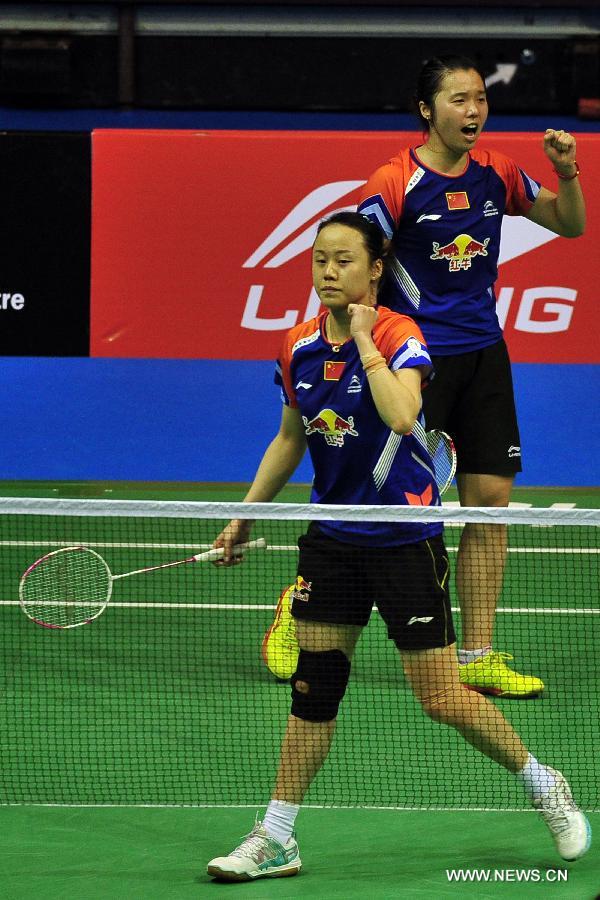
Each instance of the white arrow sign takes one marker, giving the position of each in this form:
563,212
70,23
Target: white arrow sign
504,72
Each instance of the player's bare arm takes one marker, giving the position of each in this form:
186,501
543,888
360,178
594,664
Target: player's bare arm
281,459
564,212
397,396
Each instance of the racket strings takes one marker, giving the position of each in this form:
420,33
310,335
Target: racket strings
67,587
443,458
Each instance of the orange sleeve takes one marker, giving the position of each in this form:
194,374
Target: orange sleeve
295,336
393,330
382,197
283,370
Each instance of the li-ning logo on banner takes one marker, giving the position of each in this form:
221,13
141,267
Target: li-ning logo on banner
296,233
286,243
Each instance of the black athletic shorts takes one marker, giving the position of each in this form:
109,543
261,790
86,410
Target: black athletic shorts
471,397
340,583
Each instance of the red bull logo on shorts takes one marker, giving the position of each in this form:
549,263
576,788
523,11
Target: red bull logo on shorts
460,251
301,589
332,426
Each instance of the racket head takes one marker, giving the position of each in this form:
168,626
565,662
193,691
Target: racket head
66,588
443,455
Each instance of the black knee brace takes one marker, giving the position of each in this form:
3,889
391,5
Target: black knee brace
325,675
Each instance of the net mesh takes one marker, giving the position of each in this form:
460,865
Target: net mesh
165,698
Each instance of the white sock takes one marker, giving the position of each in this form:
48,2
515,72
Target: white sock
279,819
535,778
467,656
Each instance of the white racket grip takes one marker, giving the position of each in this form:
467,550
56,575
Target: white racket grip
217,552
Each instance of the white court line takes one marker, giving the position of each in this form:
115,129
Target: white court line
565,611
124,544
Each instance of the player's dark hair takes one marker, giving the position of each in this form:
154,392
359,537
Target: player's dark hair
429,82
371,233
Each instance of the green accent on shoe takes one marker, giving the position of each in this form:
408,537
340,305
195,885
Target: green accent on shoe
258,856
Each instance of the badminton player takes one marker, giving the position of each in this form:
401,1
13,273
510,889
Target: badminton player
365,448
440,207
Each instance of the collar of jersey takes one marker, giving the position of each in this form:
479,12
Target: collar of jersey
422,165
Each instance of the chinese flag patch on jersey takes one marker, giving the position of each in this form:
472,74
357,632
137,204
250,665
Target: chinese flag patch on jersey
333,370
458,200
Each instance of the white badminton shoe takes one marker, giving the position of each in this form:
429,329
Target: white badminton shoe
258,856
571,831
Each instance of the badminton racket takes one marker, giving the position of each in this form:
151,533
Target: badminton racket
73,586
443,454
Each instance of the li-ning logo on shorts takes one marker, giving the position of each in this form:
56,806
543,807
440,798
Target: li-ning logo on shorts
424,619
513,451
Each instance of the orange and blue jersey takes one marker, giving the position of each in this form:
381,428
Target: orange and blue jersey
356,457
445,234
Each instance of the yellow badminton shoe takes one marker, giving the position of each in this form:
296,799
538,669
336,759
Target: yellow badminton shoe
490,675
280,647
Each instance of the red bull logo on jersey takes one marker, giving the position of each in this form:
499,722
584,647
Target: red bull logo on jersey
334,428
460,251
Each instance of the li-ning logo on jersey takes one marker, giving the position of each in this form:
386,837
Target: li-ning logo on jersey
332,426
489,209
460,251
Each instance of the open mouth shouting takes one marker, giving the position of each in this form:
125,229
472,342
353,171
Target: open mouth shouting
470,131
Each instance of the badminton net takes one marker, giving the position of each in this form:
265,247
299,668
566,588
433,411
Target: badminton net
165,699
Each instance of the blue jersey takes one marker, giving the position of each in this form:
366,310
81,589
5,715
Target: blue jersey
357,458
445,233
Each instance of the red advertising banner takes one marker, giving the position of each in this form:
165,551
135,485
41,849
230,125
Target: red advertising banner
200,242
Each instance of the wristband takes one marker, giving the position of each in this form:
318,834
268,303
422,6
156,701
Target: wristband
376,367
375,360
569,177
368,356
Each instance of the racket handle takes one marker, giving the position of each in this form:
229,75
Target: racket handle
217,552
